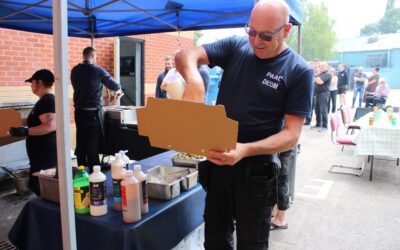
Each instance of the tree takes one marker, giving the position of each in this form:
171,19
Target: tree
389,23
369,29
197,36
318,37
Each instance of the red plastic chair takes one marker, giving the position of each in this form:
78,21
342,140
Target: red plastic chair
343,140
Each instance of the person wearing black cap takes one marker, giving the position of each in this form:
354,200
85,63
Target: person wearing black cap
87,81
41,131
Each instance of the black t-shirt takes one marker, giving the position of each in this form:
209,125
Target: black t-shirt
326,77
42,149
259,92
45,105
342,79
87,80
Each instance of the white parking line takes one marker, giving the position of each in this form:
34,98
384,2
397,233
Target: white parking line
323,188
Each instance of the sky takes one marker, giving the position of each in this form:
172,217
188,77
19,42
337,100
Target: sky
349,15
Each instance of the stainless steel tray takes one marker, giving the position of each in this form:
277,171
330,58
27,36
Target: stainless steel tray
182,159
166,182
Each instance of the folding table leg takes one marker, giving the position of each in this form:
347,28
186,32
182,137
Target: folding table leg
372,168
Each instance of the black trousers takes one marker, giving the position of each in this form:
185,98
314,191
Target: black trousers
286,159
321,109
332,99
42,153
372,101
308,119
89,137
240,196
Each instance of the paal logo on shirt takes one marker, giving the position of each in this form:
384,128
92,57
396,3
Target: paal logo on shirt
272,80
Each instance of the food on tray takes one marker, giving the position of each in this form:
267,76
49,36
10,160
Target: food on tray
188,156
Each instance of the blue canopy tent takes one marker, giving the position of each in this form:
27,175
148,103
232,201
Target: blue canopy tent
109,18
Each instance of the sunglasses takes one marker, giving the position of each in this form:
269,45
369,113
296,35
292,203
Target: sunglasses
266,36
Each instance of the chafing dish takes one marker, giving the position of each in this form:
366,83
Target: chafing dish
121,114
166,182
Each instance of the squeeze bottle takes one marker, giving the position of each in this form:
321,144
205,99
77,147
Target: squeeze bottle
142,178
81,191
117,174
130,198
125,158
97,188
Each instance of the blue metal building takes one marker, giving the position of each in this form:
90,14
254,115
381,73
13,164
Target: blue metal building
381,51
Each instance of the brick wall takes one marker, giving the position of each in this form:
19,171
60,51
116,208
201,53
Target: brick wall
22,53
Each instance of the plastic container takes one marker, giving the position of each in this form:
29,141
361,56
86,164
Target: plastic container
142,178
125,158
117,175
49,188
81,191
22,182
97,188
130,198
175,84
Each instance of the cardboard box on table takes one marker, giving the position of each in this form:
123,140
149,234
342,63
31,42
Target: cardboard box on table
187,126
9,118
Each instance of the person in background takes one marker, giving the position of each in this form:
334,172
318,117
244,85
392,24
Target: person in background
315,66
203,70
322,81
41,144
87,80
333,91
169,64
359,80
373,82
380,95
267,88
279,212
343,83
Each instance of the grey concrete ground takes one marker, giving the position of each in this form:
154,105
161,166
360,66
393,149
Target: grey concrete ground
330,211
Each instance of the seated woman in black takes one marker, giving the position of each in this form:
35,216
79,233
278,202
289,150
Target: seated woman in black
41,130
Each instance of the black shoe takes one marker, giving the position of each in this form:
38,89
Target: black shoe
307,123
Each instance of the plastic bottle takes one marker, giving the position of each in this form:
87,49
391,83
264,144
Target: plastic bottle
81,191
97,187
117,174
142,178
125,158
130,198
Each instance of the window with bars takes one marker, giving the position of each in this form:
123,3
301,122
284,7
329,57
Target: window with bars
377,60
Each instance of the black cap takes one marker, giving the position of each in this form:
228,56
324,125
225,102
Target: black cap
45,75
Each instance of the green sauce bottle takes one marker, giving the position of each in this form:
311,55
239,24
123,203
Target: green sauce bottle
81,191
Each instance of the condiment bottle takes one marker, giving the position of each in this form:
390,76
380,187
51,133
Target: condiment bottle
142,178
97,188
130,198
117,174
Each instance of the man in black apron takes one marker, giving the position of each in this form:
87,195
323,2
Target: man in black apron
87,81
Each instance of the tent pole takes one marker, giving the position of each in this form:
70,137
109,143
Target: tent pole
60,43
299,39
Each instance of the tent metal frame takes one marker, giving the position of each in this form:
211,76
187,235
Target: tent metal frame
59,10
